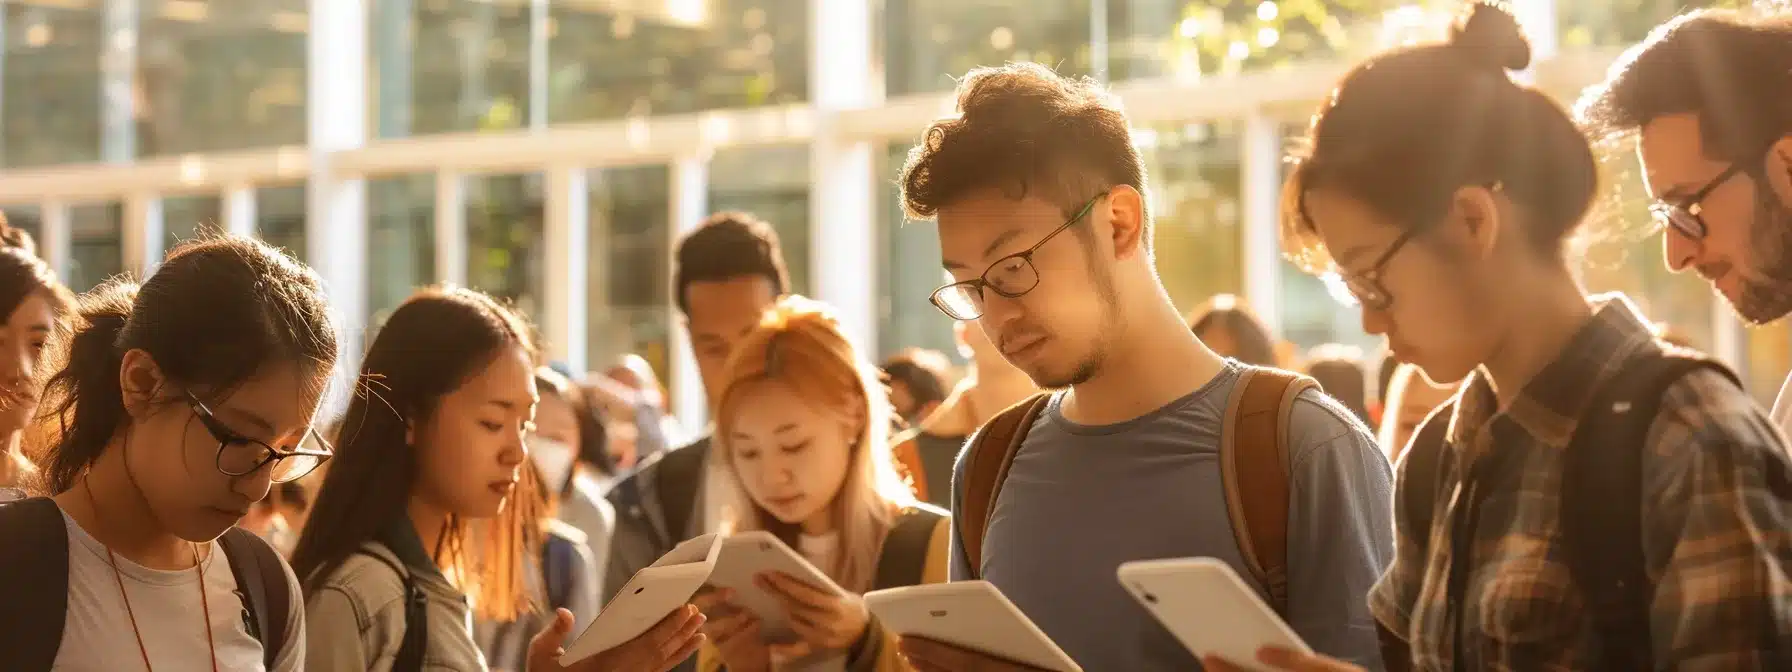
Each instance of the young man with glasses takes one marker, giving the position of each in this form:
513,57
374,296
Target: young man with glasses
1707,98
1040,198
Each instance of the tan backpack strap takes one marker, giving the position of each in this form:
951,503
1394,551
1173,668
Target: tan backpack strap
990,452
1254,470
906,449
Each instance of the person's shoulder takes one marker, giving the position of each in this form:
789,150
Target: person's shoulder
1706,414
368,578
685,461
1317,419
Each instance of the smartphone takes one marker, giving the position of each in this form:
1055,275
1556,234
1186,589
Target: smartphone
744,555
1209,608
648,597
970,615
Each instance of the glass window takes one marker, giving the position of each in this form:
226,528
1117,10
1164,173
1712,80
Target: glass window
504,235
606,62
1619,252
185,217
1768,357
630,267
1622,23
280,218
771,183
449,65
1156,38
1196,213
909,272
1311,314
220,75
401,248
96,244
50,111
27,218
928,43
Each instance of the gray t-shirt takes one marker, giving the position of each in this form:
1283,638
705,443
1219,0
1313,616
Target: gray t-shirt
97,634
1080,500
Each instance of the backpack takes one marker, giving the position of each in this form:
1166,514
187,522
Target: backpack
903,558
559,558
415,640
1601,503
1253,469
34,563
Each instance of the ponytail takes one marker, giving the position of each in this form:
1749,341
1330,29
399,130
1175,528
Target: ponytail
87,398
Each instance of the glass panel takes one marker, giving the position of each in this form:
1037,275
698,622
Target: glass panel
50,112
673,57
630,273
504,235
449,65
1155,38
1622,254
909,272
772,183
1311,314
927,43
401,248
280,218
1769,357
220,75
1196,185
96,244
27,218
185,217
1622,22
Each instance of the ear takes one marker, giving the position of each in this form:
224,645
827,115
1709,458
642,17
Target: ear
1125,208
1476,211
856,418
139,379
1779,169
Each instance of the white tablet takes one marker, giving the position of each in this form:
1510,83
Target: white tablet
1209,608
971,615
648,597
744,555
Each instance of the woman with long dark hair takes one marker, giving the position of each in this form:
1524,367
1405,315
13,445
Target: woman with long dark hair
34,318
428,516
181,402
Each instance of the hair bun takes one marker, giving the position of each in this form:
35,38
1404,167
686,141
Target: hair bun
1488,35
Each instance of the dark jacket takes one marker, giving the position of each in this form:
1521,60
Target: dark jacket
657,506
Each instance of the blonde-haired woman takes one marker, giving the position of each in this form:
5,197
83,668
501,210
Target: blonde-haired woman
802,423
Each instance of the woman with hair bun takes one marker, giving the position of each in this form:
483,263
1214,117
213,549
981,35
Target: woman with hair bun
35,310
1589,500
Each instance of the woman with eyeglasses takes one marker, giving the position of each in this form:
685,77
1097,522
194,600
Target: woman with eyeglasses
428,516
1588,501
180,403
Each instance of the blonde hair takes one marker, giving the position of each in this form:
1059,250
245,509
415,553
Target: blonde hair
799,343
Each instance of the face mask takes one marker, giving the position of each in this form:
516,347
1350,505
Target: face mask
554,459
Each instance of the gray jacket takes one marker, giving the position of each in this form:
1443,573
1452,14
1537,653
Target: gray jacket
657,506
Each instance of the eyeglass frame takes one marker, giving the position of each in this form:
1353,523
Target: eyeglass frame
980,282
1371,277
1692,206
226,436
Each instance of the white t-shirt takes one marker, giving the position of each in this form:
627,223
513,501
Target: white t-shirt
820,550
1782,408
97,635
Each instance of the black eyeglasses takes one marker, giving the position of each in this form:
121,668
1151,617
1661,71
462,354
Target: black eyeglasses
1011,276
1684,216
240,455
1365,287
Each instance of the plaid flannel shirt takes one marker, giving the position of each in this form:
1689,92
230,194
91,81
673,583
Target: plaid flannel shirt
1716,514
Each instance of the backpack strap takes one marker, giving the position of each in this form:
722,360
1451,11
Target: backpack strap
558,557
261,585
1254,472
987,458
416,619
904,555
1422,463
34,568
907,453
1602,518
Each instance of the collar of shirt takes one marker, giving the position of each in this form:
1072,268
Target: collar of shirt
1552,402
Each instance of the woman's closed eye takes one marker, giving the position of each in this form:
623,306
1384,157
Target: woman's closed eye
795,448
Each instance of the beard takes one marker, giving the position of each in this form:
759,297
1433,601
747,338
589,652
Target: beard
1766,288
1090,365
